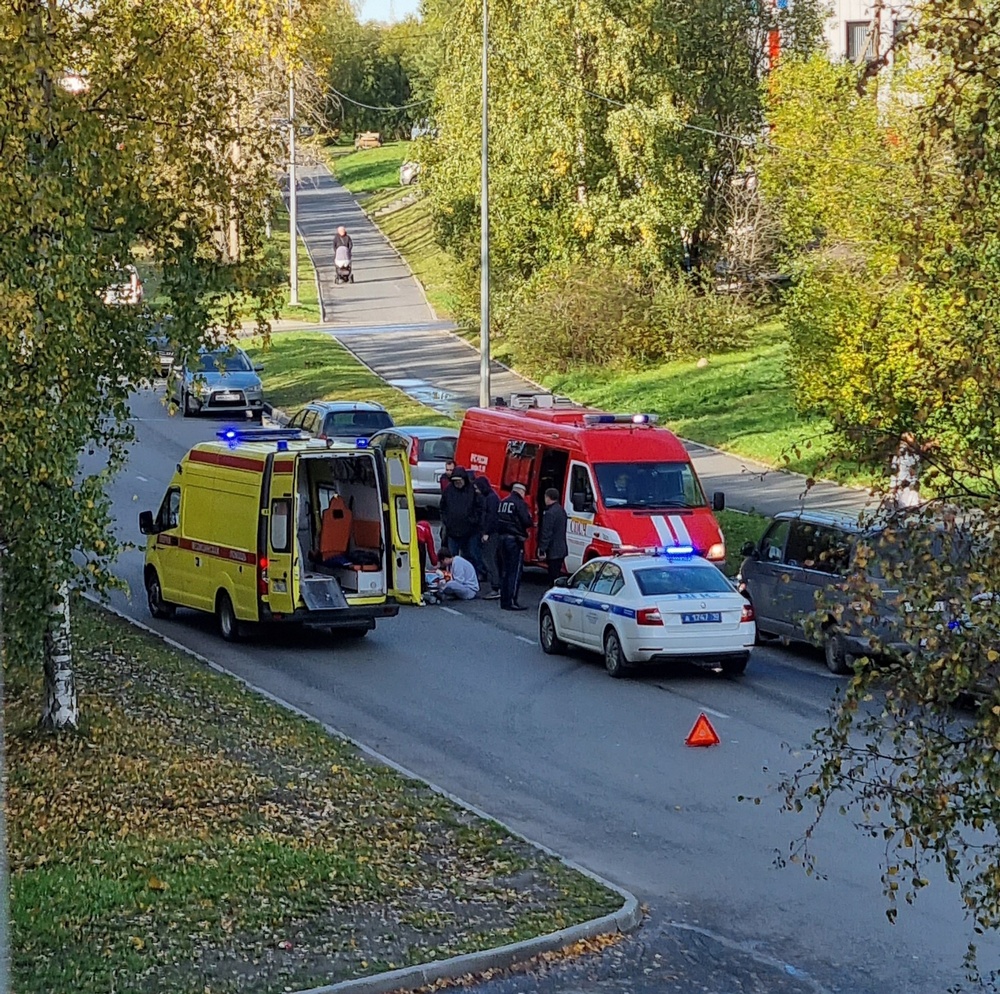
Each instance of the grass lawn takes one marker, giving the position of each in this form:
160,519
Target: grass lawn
739,528
192,836
308,306
369,170
303,366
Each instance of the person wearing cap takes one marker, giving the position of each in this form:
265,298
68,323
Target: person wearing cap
461,515
513,522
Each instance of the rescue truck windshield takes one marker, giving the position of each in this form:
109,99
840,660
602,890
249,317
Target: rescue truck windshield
648,485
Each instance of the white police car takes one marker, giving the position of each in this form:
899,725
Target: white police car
650,606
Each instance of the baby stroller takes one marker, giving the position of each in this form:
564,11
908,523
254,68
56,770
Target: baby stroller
342,265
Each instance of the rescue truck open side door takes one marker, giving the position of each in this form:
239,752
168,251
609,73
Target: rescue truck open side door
405,584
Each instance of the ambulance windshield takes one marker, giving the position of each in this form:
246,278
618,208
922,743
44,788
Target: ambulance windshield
648,485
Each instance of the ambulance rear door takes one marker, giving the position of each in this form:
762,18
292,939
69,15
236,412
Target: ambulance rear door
404,583
277,570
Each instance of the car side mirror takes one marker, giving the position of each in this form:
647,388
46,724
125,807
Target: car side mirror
561,581
578,501
146,525
748,549
718,501
258,369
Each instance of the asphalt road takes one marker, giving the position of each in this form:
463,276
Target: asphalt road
597,769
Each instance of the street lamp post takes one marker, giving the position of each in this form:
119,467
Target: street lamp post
293,212
484,266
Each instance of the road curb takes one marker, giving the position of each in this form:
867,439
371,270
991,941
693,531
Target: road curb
624,920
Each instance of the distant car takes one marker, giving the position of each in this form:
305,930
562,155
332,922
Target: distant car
650,606
218,381
341,419
125,289
429,448
161,344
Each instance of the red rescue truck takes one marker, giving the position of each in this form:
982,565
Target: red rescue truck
622,480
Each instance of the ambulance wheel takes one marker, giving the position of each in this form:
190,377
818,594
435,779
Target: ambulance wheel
158,607
229,626
614,658
354,632
547,637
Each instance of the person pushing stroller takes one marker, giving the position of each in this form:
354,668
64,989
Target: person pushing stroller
343,252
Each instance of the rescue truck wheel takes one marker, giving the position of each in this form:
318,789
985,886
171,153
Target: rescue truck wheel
229,626
158,607
614,658
550,641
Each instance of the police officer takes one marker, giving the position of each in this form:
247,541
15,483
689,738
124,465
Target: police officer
514,522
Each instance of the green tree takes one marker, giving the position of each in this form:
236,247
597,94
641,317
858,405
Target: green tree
126,127
891,212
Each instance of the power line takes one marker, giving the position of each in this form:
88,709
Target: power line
358,103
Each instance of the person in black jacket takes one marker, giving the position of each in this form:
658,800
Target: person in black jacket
461,517
514,522
489,536
552,535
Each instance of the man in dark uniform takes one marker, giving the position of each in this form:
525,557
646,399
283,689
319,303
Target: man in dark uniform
552,535
514,520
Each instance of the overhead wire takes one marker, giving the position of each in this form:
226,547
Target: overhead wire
358,103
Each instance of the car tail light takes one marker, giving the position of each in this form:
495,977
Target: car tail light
747,613
262,576
322,438
649,616
415,452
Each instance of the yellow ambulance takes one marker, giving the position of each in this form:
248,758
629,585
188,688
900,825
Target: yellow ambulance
268,525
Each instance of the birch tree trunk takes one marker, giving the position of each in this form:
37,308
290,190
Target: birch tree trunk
60,709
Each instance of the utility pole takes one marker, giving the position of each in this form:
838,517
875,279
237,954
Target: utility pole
484,264
293,211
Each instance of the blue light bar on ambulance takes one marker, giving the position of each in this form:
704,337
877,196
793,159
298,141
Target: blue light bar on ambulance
620,419
234,436
361,443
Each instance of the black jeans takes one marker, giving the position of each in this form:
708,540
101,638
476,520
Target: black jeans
489,551
555,568
511,561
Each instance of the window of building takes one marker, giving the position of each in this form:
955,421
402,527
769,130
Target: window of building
859,40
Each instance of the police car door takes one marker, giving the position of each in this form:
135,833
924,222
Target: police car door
580,509
404,583
572,602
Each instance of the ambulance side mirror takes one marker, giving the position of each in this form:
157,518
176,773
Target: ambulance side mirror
718,501
146,525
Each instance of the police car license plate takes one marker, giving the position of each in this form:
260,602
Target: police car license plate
228,395
701,619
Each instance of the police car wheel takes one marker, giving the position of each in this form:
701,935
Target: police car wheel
547,637
229,626
614,658
735,667
158,607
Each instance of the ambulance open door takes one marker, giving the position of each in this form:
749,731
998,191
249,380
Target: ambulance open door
276,574
405,583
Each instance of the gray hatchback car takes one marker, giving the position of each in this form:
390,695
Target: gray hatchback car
800,564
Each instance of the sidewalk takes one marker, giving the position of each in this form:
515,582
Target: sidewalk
387,323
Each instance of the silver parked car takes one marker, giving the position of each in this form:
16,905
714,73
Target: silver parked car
218,381
429,447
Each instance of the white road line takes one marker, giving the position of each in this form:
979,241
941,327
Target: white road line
717,714
451,610
521,638
142,478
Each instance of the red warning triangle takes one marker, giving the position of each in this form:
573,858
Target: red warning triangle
702,734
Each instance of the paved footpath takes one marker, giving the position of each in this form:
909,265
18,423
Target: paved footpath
385,320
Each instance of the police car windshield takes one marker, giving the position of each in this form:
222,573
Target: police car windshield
662,581
217,362
648,485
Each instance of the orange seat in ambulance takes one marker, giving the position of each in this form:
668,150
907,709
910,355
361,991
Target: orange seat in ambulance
622,480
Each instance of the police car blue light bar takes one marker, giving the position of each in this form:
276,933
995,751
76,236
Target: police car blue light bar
653,550
620,419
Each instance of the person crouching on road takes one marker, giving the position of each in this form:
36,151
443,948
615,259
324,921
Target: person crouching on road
552,545
490,535
514,520
463,584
